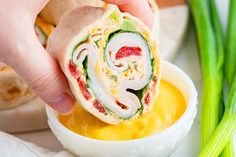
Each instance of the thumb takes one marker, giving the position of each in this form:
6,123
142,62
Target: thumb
140,9
36,67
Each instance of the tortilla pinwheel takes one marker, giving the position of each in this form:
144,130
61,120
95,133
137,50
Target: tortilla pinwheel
110,60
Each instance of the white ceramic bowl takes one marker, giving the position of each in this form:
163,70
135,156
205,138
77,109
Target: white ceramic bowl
157,145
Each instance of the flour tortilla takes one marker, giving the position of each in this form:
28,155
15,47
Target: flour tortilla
96,3
53,11
20,109
70,32
69,27
13,91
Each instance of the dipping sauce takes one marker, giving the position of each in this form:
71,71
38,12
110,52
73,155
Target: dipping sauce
168,108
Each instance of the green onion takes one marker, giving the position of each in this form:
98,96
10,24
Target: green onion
228,150
210,40
211,54
219,37
226,128
230,64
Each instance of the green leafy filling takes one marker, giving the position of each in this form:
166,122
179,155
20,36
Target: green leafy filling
96,42
114,16
85,67
128,25
112,35
139,93
153,77
77,45
113,77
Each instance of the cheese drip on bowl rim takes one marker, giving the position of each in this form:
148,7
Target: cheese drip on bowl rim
110,60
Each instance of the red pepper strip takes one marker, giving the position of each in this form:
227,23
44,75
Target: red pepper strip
128,51
147,98
83,89
74,72
121,105
98,106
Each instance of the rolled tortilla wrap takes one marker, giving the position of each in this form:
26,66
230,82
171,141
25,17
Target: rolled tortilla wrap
156,21
95,3
110,60
13,91
42,30
54,9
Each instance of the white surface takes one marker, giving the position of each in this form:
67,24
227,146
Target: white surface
173,27
27,117
223,6
11,146
43,138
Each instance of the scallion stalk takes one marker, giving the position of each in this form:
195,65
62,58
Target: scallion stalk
230,62
225,129
228,150
211,54
211,47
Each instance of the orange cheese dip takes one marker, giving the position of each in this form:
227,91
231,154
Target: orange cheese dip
168,108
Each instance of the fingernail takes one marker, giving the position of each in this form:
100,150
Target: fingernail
63,104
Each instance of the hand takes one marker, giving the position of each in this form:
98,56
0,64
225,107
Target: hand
138,8
20,48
